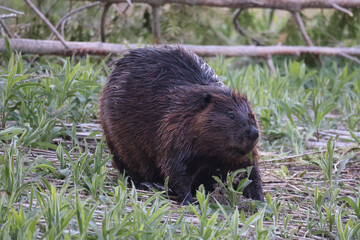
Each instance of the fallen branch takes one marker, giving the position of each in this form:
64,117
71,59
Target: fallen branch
48,47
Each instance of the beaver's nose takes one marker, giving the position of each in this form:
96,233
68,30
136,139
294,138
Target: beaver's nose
252,133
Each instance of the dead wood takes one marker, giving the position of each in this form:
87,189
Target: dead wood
49,47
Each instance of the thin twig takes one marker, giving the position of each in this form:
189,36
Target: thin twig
51,7
341,9
37,11
304,34
242,31
119,9
126,8
350,57
102,23
11,10
63,28
6,29
301,26
270,65
299,155
293,156
66,16
10,15
156,27
236,23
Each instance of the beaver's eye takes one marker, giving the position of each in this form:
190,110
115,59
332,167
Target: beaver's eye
231,115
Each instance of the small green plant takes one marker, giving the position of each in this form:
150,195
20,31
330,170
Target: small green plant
234,192
275,208
327,161
207,218
9,89
56,208
354,203
12,172
284,231
349,231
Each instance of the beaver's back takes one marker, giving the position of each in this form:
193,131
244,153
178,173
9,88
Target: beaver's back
136,97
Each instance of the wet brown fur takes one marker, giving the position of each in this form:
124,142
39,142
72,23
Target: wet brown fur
165,113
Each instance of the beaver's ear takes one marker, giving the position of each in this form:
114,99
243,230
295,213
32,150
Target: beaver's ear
206,100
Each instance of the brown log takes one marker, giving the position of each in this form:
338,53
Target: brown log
49,47
290,5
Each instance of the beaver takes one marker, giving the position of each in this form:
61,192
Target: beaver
165,113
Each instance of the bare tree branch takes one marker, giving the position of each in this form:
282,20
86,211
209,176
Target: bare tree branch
301,26
156,25
11,10
46,47
37,11
102,23
235,16
121,11
354,59
6,29
51,7
304,34
341,9
242,31
66,16
63,28
9,15
270,65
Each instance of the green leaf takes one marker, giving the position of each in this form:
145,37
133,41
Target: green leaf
354,136
10,132
251,220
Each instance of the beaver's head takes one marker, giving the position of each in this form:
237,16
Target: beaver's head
226,124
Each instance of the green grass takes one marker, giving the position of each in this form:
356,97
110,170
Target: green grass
57,183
